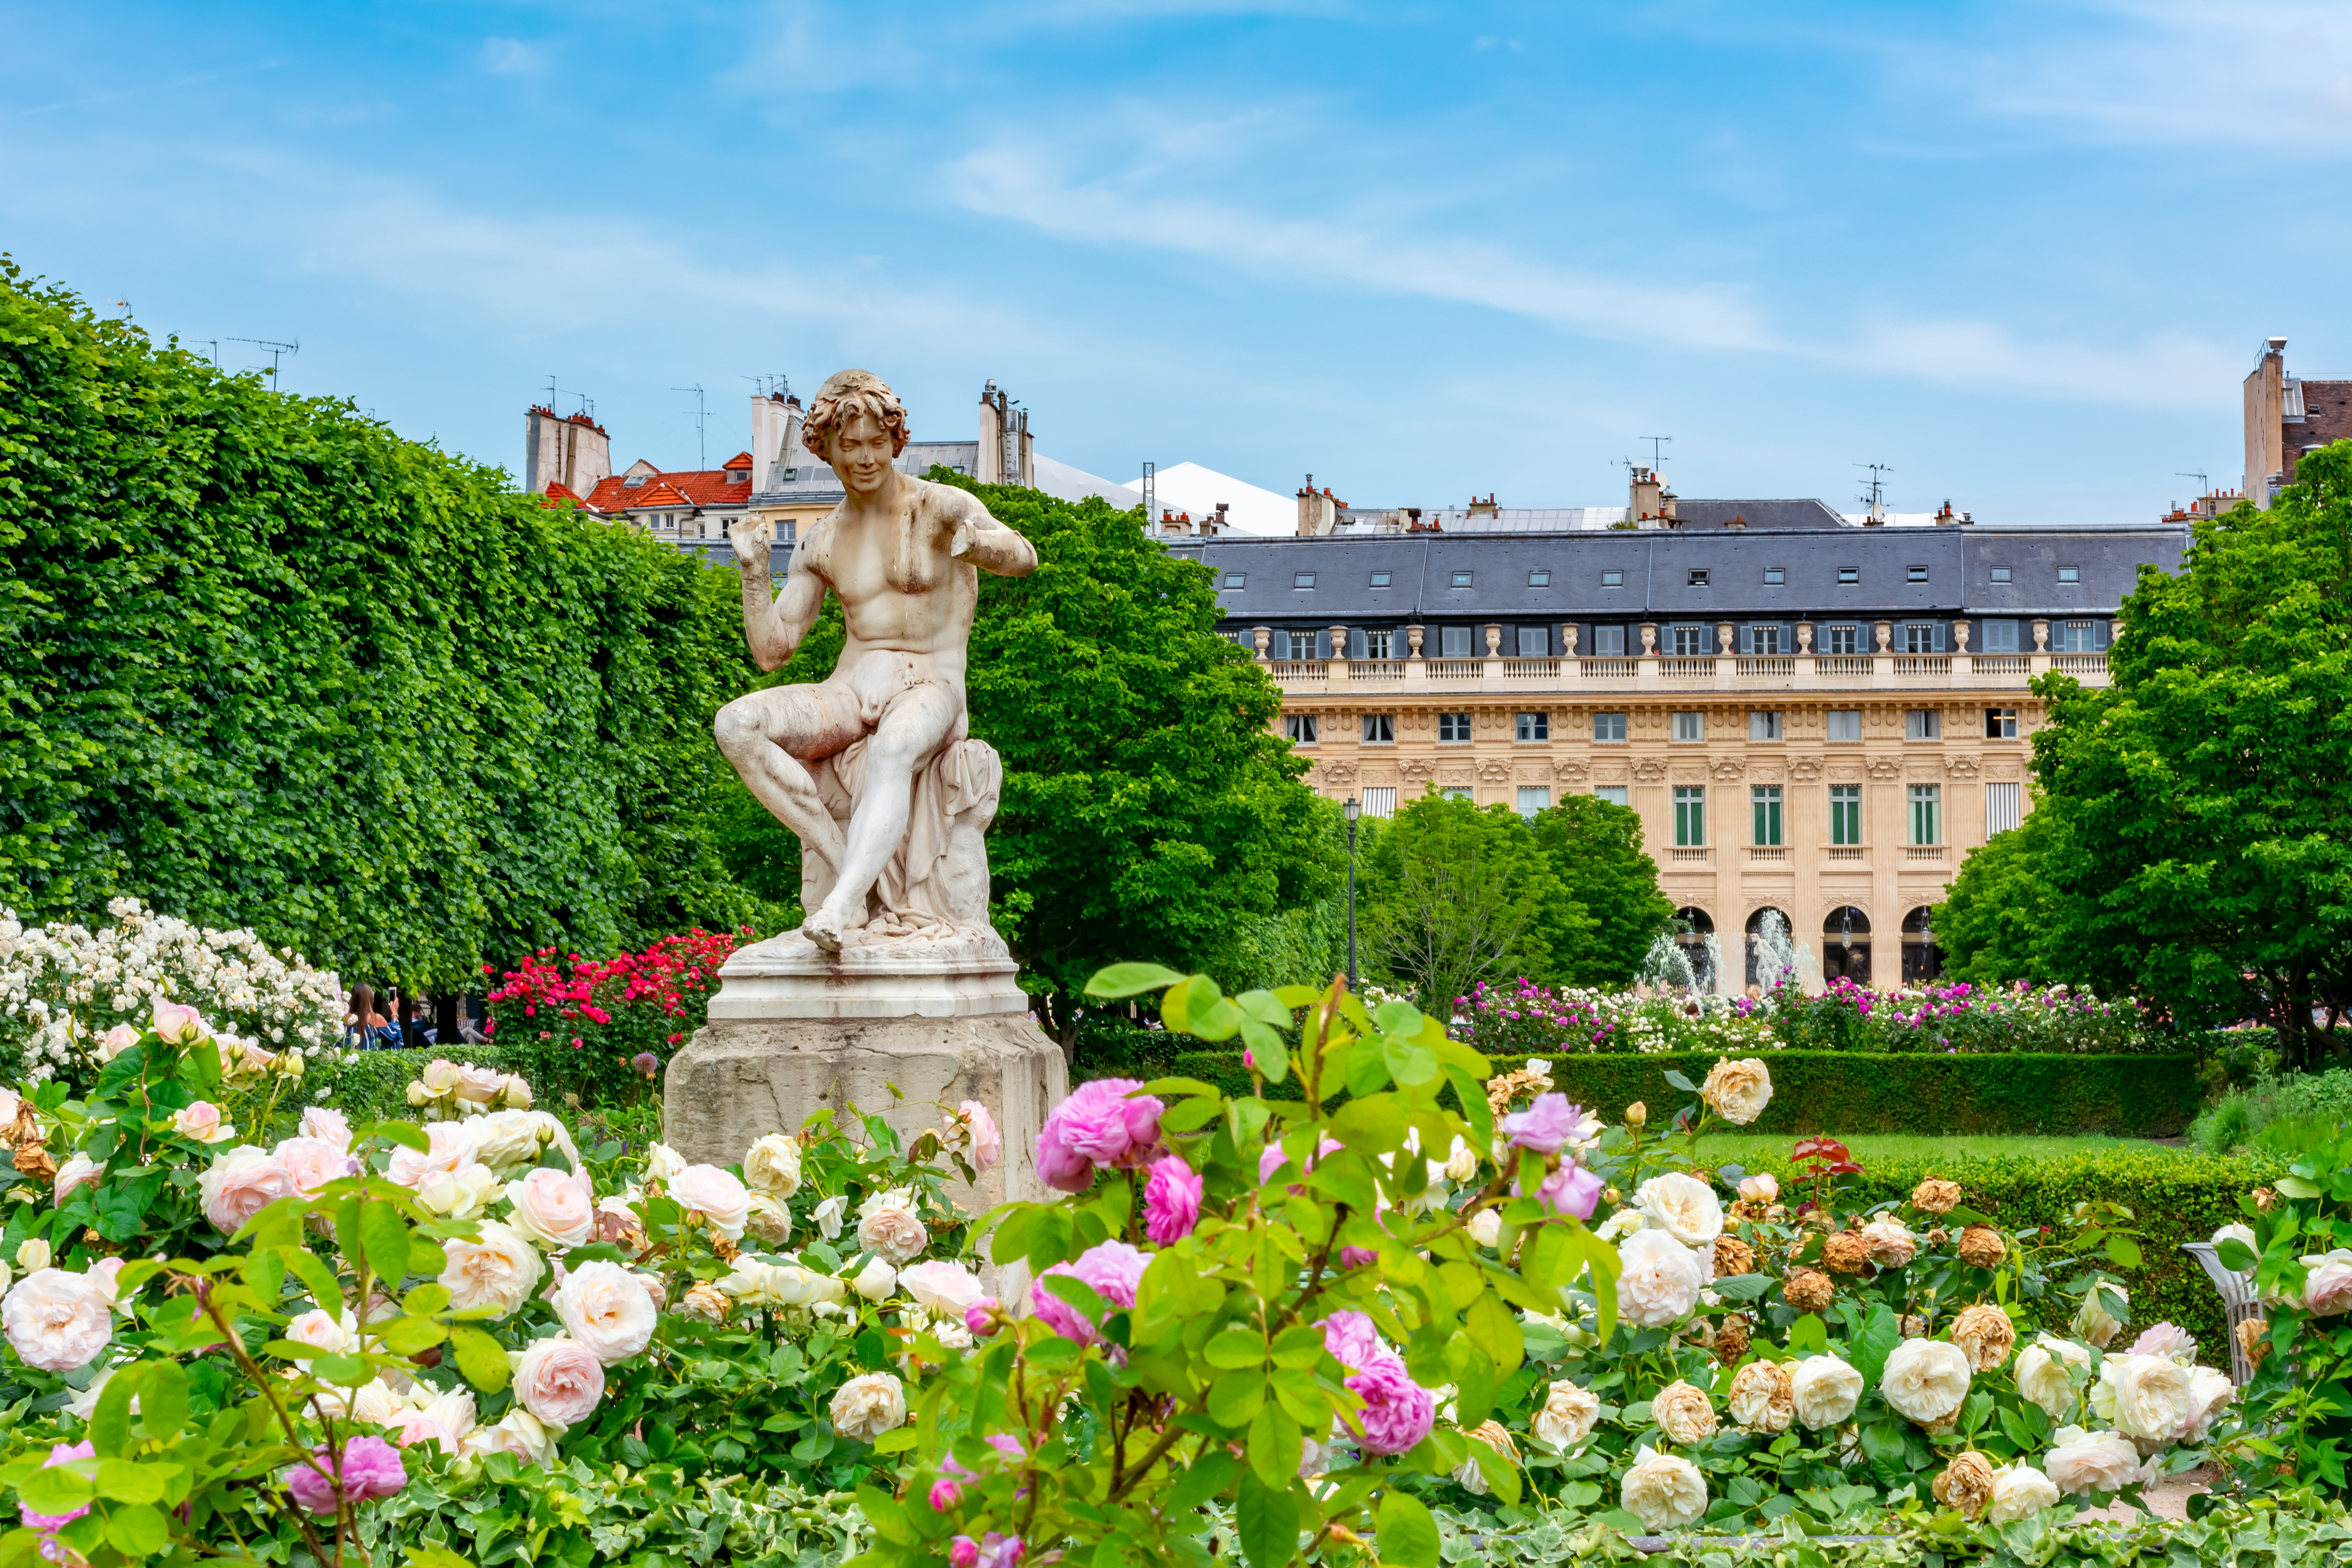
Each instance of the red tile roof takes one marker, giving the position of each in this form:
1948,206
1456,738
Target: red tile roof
697,488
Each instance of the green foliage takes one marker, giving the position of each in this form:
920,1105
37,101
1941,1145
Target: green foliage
1999,908
2242,1115
1454,893
1595,848
263,662
2302,1263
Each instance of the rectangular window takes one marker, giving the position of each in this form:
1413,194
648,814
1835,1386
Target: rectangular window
1453,729
1235,579
1763,726
1764,641
2079,636
1918,637
1926,813
1774,576
2001,724
1379,728
1380,579
1999,636
1698,577
1609,726
1454,793
1690,726
1849,573
1379,645
1462,579
1534,798
1612,579
1454,642
2001,808
1845,724
1689,641
1300,728
1845,813
1302,644
2070,573
1844,641
2001,573
1609,642
1915,573
1923,725
1534,726
1690,816
1764,802
1538,579
1303,579
1535,642
1380,800
1613,794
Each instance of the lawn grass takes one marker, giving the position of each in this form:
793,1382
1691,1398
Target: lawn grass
1884,1148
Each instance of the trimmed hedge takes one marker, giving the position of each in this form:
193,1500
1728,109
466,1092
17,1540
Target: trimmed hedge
373,1086
1845,1091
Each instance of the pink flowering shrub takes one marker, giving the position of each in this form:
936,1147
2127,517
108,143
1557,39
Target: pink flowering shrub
589,1027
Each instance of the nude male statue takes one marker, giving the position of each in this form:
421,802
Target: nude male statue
900,553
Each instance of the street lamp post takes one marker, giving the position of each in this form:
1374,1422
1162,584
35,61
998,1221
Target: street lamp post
1349,811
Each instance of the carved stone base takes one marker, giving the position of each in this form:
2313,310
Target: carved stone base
954,974
740,1077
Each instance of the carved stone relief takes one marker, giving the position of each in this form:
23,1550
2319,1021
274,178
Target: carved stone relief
1804,769
1884,768
1650,769
1729,770
1569,772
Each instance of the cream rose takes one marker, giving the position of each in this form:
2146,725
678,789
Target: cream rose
479,1084
715,1195
2080,1461
1657,1280
1763,1397
449,1144
1825,1389
331,1332
868,1406
2095,1323
439,1078
237,1185
1682,1413
1665,1491
875,1281
559,1381
551,1209
2326,1287
460,1194
79,1171
500,1270
57,1321
1925,1380
987,1142
312,1162
2042,1373
888,1227
506,1141
2145,1397
2019,1492
772,1166
942,1287
1682,1206
1737,1091
201,1122
1986,1334
1891,1241
518,1433
1485,1226
769,1219
605,1310
663,1162
34,1254
1568,1416
828,1217
2208,1391
327,1126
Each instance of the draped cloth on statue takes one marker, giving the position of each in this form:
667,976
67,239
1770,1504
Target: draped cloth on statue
936,883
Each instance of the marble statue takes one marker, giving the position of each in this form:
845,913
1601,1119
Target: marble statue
873,767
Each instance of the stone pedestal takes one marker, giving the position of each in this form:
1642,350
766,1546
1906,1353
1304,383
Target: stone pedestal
794,1029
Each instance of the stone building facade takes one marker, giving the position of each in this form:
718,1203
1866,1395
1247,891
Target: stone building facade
1811,717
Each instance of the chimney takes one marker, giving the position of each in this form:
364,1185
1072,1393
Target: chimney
1645,493
1317,511
1944,517
570,450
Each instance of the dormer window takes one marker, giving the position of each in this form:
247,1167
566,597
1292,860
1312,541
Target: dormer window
1235,579
1915,573
1774,576
1849,573
1462,579
1698,577
1538,579
1380,579
1303,579
1612,579
2001,573
633,481
2070,574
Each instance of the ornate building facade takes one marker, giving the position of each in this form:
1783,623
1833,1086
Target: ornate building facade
1812,716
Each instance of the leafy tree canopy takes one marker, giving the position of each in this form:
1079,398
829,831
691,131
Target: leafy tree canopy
1595,849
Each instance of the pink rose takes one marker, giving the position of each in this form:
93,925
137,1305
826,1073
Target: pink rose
371,1468
1352,1341
201,1121
312,1162
241,1184
1171,1200
63,1453
178,1025
1547,1126
552,1207
480,1085
1273,1159
1572,1190
1397,1412
1099,1127
559,1381
328,1127
983,1317
717,1197
450,1146
987,1142
1111,1269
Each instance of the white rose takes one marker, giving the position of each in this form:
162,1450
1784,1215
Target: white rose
942,1287
458,1195
551,1209
33,1256
2019,1491
1891,1241
333,1333
1826,1390
875,1281
1682,1206
2080,1461
606,1308
559,1381
57,1321
454,1413
2042,1373
479,1084
1485,1226
717,1197
1925,1380
1737,1091
374,1403
2146,1397
868,1406
439,1078
794,1285
1763,1397
951,1334
663,1162
769,1219
1567,1416
328,1127
1657,1280
518,1433
449,1144
506,1139
79,1171
828,1217
1623,1222
500,1270
2093,1322
888,1225
772,1166
2209,1392
1664,1490
1684,1413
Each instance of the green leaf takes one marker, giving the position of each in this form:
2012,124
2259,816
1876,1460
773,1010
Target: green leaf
2122,1252
1078,1294
1400,1018
1266,1519
385,1234
480,1359
1238,1347
123,1480
319,1281
1276,1447
110,1424
896,1440
1680,1082
163,1399
425,1257
2296,1187
2236,1256
1267,1052
344,1371
1408,1535
137,1531
1235,1398
1410,1062
57,1490
1169,1087
407,1134
1495,1328
407,1335
1124,980
1742,1287
1301,1348
1809,1336
1196,995
1211,1475
436,1557
1880,1333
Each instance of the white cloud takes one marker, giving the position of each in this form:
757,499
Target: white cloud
512,56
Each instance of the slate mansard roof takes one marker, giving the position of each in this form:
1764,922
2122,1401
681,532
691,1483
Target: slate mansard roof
1656,568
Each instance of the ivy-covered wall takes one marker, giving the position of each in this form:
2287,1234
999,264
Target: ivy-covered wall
263,662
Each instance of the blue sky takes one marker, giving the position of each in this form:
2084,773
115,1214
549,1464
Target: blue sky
2021,253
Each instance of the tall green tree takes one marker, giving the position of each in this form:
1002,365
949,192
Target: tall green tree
1455,893
2000,917
1595,849
2201,849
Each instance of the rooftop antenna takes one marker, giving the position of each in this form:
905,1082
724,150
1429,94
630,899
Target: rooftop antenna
2197,474
1877,496
701,442
587,404
214,343
1150,495
775,385
277,351
1657,457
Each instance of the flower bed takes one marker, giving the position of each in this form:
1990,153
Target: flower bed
604,1029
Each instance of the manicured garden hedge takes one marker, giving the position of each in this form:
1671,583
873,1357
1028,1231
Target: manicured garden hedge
1844,1091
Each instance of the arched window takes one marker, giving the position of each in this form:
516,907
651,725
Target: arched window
1922,961
1771,947
1696,933
1845,945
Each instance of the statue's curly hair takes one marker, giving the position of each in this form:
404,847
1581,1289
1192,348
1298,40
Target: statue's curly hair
844,397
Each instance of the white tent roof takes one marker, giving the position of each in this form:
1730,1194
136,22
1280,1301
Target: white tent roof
1188,486
1064,482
